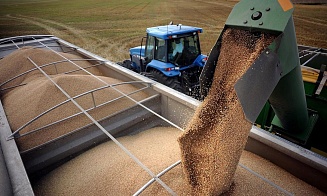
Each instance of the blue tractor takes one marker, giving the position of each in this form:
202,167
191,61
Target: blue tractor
171,56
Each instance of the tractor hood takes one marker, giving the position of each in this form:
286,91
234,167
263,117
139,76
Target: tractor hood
137,51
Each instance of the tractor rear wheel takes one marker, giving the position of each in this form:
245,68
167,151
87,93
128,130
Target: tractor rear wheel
149,75
171,82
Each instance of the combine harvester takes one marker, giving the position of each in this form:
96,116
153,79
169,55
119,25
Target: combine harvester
293,122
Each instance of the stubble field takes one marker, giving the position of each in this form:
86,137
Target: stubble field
110,28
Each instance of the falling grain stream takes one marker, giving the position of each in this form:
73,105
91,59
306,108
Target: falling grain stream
215,138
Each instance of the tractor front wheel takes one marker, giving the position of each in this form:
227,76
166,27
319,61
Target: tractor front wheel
126,64
171,82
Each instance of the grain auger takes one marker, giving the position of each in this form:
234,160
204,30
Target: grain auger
276,74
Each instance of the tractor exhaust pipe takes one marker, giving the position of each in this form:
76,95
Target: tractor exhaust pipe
276,74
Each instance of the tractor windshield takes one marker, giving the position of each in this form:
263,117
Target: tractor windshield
180,51
183,51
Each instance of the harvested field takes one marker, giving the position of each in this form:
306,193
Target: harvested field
106,170
110,28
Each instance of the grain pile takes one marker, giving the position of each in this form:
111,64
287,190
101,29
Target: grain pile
39,94
213,141
107,170
17,63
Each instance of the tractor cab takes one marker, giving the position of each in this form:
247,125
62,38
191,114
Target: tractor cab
178,49
171,55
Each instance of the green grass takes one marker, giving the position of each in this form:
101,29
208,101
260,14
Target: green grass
110,28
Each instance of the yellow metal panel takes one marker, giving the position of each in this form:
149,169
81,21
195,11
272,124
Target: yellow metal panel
285,4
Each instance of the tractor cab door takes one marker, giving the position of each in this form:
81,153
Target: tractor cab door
149,49
155,49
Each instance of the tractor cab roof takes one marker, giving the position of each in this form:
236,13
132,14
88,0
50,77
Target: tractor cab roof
171,31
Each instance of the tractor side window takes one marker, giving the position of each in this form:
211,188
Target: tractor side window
192,48
160,52
149,50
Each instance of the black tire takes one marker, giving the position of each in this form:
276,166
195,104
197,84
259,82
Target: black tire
126,64
149,75
171,82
